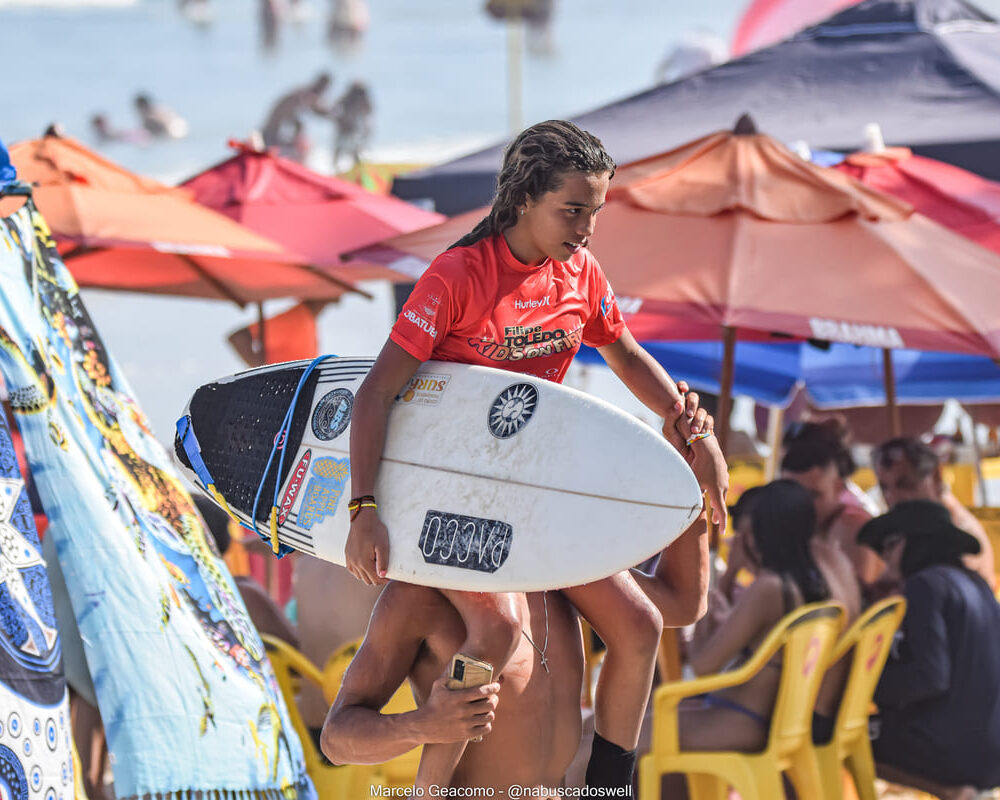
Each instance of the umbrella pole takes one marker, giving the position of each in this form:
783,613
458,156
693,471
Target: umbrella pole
978,455
889,376
259,343
515,48
726,386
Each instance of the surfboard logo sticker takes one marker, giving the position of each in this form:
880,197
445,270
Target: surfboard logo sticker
322,494
512,409
332,414
298,475
424,389
457,540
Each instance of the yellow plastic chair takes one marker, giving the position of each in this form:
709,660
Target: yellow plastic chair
868,641
989,516
864,478
806,636
332,782
961,479
79,791
398,772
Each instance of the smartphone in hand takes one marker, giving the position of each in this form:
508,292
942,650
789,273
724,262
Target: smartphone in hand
466,672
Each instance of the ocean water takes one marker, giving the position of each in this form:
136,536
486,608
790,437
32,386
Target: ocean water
436,68
437,72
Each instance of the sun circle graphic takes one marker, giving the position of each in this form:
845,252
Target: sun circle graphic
512,409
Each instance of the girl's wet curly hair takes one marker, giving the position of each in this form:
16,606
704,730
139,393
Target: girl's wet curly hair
533,164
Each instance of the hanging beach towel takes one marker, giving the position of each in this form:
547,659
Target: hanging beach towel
36,759
188,699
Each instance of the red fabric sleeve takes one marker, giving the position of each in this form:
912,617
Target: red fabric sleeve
426,317
606,323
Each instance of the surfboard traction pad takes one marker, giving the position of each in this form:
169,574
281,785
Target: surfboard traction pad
233,442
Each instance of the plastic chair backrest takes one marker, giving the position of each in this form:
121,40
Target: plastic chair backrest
989,517
808,634
335,667
331,782
333,676
870,640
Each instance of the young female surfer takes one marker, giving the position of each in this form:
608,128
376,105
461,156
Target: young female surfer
522,292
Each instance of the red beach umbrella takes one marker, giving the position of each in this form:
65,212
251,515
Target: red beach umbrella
318,216
767,22
960,200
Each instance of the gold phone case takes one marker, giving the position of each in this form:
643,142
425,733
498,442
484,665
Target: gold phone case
466,672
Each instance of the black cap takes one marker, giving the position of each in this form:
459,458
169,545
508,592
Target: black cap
913,518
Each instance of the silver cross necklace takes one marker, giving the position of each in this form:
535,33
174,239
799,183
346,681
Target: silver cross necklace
545,646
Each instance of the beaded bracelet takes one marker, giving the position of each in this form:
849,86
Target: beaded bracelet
357,503
697,436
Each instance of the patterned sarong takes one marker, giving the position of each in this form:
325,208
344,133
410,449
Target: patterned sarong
36,759
188,698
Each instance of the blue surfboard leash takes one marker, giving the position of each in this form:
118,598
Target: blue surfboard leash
192,449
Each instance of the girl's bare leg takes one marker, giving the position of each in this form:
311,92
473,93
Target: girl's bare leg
629,624
492,629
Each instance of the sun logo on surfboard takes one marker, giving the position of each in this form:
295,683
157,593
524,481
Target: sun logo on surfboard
512,409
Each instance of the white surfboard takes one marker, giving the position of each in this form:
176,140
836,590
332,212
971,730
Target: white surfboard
489,481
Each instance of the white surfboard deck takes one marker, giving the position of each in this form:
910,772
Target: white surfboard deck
490,480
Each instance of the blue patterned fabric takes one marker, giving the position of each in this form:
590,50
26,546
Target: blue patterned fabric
7,172
187,696
36,759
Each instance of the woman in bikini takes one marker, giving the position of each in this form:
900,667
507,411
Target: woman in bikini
779,545
521,292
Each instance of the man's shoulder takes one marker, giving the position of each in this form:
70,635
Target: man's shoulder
850,520
962,517
936,579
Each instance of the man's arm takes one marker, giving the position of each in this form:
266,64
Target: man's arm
678,586
920,667
356,732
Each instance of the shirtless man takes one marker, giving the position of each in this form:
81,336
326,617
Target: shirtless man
278,128
413,634
822,464
528,740
908,469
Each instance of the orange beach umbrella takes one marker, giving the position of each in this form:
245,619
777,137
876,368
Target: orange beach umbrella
734,232
118,230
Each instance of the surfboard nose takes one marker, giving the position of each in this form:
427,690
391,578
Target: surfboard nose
231,426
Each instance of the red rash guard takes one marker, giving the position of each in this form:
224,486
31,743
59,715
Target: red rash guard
480,305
